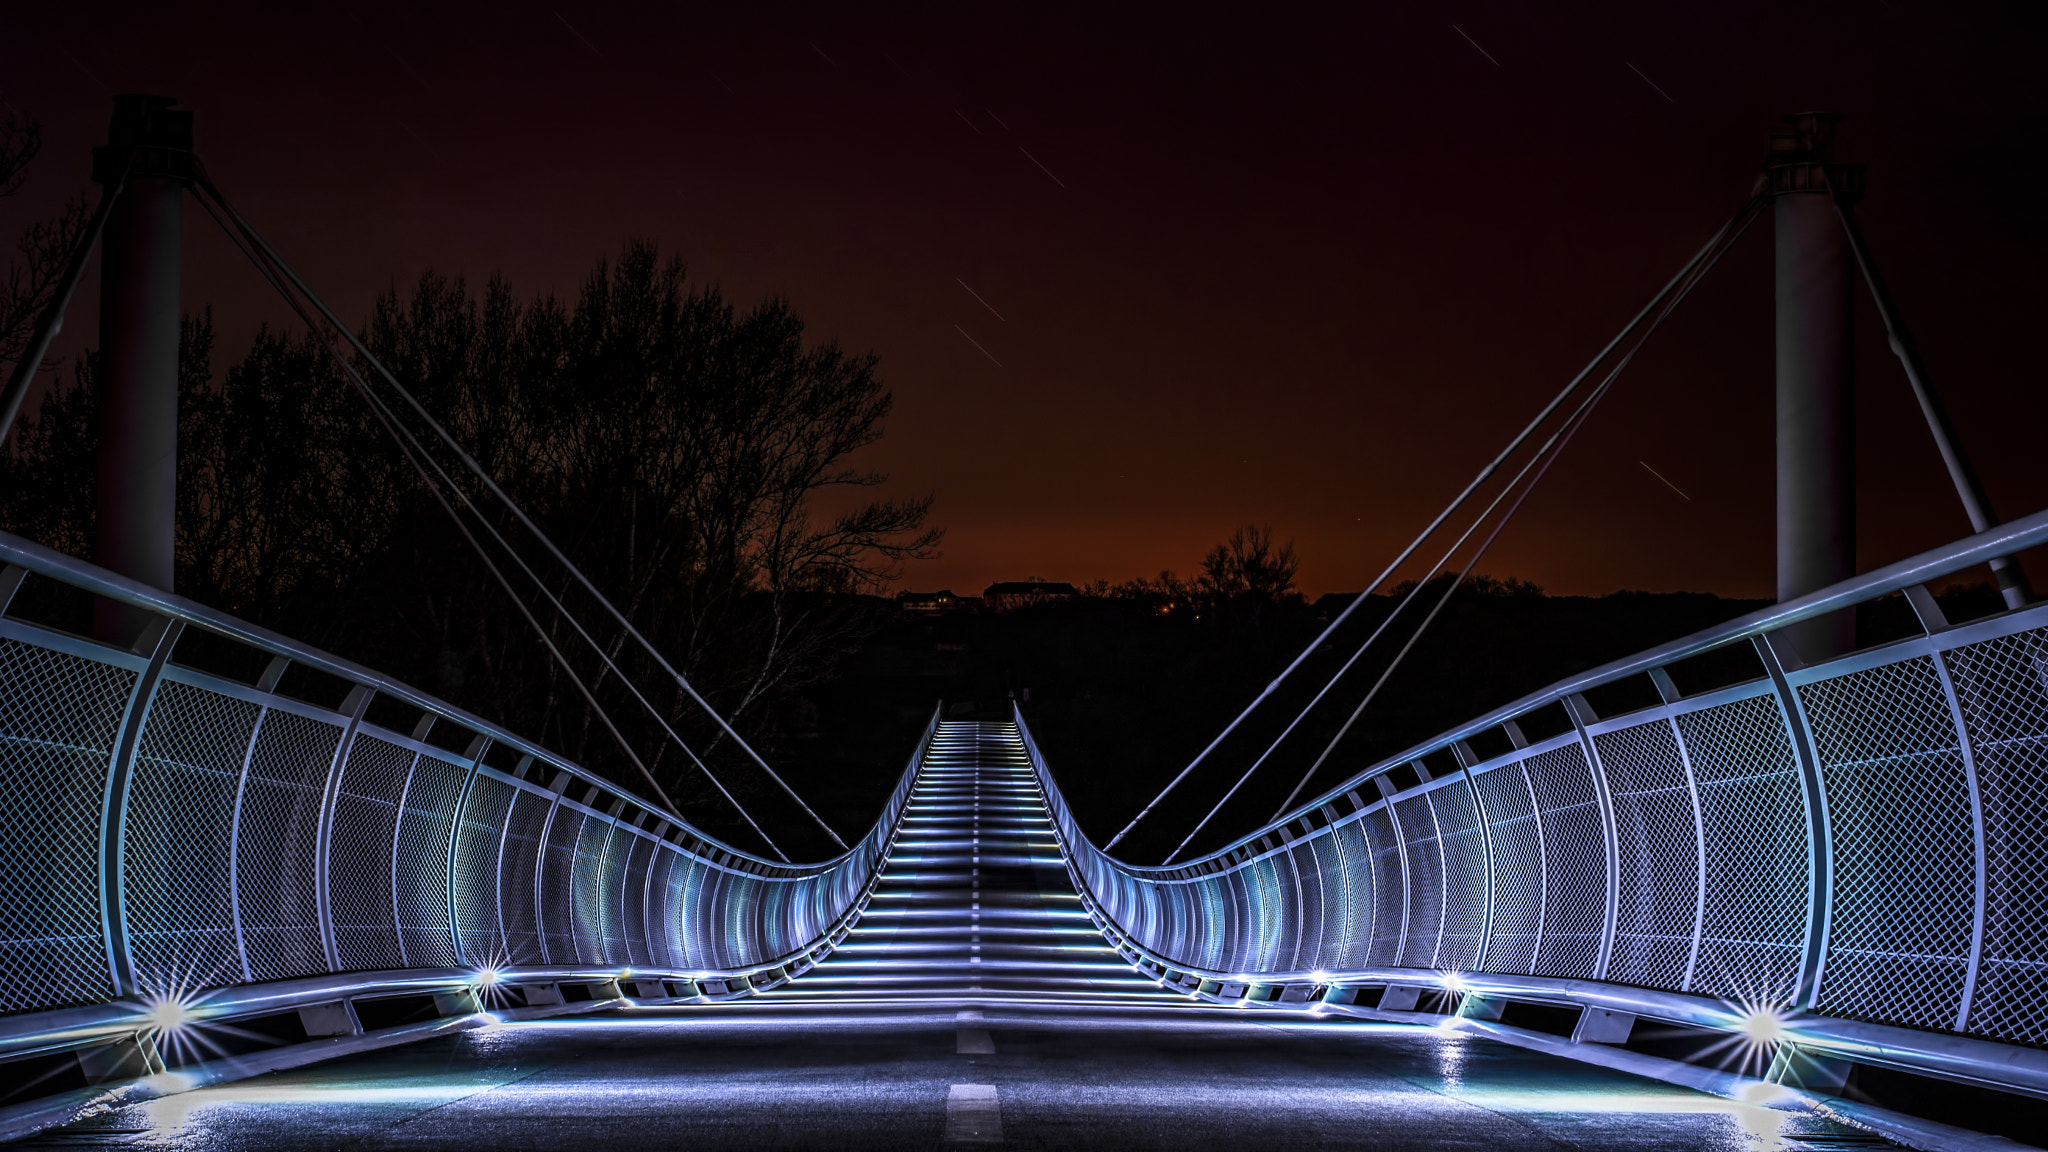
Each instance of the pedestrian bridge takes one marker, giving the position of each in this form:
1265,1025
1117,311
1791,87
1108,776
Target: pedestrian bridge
1654,906
1776,886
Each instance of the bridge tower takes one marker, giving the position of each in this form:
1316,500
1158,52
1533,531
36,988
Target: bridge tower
1816,373
141,261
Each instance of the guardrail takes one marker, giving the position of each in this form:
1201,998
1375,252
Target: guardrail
1854,850
174,837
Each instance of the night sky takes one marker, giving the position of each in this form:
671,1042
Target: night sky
1306,269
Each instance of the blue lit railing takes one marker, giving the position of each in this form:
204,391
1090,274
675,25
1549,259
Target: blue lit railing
1857,848
171,836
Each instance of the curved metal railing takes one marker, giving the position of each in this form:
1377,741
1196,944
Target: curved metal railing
170,834
1858,844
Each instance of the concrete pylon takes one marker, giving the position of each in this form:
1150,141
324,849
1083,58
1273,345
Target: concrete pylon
1816,370
141,261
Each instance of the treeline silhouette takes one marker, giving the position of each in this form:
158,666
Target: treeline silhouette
1126,684
671,443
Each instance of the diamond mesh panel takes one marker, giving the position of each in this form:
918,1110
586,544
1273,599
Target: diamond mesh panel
1274,914
701,937
1517,870
1181,934
1464,848
1575,857
359,858
558,886
587,911
661,905
1755,825
58,720
422,872
610,897
2003,687
1425,882
1388,887
277,842
1235,932
1322,903
517,874
772,938
1658,855
476,870
1206,930
1904,850
714,938
181,803
736,943
686,932
1358,889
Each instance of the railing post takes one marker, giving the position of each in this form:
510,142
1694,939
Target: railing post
1542,862
412,771
1819,854
1443,879
353,706
1699,841
1968,750
235,843
1386,787
157,639
1582,715
498,868
648,902
556,788
475,755
1467,758
1667,691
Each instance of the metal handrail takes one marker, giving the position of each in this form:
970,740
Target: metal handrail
1844,847
1954,1057
2006,539
630,860
99,581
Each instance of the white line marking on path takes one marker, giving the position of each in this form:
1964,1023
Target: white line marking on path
974,1115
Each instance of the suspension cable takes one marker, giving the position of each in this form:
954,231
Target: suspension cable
1362,648
1543,457
414,451
1508,489
52,319
519,513
2012,579
1562,437
1484,474
409,446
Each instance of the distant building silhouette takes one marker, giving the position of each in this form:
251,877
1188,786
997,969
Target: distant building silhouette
939,603
1011,595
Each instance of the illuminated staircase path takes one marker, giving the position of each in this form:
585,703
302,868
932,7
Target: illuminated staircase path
974,904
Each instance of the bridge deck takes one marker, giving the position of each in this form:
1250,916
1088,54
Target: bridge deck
975,904
903,1040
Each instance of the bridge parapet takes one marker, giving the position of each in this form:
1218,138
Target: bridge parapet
1852,849
172,836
